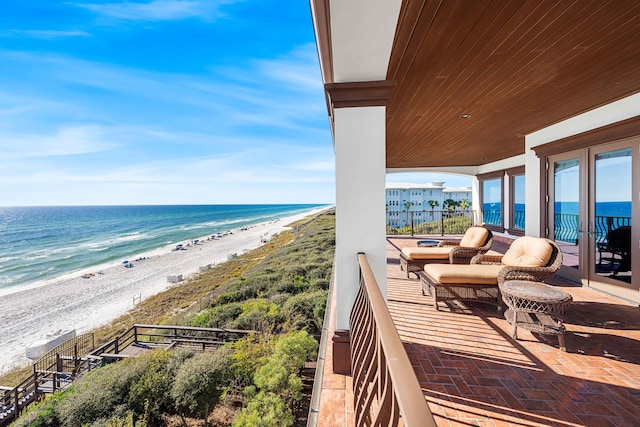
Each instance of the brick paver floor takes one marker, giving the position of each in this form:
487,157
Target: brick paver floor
474,374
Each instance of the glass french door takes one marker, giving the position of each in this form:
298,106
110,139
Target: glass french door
566,209
610,214
593,199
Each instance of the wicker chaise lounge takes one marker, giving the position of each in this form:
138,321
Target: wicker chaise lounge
528,258
476,240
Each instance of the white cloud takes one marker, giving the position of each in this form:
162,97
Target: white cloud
66,141
160,10
44,34
299,68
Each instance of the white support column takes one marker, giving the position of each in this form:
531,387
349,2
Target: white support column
359,135
476,203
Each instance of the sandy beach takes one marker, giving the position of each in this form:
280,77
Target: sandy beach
90,298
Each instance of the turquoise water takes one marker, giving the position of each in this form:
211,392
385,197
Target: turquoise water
40,243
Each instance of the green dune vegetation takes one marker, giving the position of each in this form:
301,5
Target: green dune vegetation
278,290
448,223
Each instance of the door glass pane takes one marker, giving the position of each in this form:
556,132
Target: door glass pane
518,202
611,227
492,201
566,206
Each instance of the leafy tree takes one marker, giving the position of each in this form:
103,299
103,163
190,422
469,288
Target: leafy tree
465,204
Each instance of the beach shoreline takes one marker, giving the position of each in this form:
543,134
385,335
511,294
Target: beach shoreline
86,299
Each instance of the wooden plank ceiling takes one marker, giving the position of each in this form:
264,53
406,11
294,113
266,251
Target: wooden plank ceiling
514,66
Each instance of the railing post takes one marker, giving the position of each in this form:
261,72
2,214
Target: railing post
609,224
412,231
16,396
35,377
135,333
76,360
58,369
442,223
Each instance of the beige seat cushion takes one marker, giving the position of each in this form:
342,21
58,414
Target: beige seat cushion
528,251
427,253
471,274
474,237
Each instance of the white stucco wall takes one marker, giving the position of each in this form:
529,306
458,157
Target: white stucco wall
510,162
360,197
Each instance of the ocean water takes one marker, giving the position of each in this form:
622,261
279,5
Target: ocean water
615,209
41,243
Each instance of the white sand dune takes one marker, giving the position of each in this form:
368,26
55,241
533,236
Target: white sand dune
29,313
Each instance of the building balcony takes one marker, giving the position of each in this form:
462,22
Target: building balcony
472,373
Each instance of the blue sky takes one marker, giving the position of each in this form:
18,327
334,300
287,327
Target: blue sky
161,102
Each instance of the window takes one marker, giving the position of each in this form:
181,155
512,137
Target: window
491,199
516,200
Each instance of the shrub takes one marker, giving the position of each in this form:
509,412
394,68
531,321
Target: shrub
249,354
258,315
43,414
276,378
149,393
127,421
265,410
294,349
279,299
200,382
219,316
280,374
102,394
305,311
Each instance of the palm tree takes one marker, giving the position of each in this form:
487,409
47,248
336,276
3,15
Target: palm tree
407,206
450,204
465,204
433,203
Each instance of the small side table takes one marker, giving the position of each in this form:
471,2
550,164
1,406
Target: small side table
427,243
536,307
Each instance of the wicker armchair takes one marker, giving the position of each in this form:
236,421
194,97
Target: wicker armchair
534,274
477,240
479,280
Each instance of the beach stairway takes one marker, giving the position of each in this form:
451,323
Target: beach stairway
8,408
58,368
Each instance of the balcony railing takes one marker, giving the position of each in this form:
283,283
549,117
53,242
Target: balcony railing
430,221
385,388
567,227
